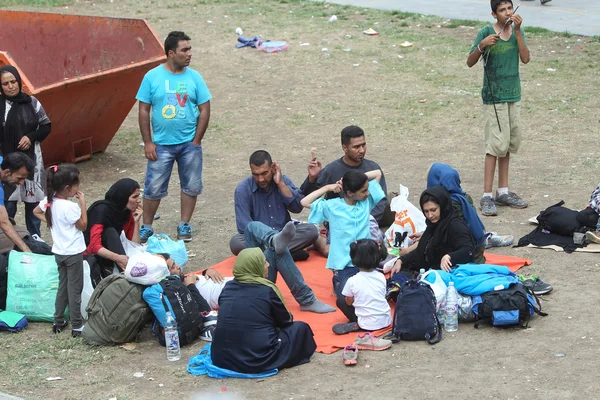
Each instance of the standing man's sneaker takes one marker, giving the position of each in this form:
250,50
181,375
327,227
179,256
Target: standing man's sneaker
511,199
495,240
184,232
58,328
145,234
488,206
592,237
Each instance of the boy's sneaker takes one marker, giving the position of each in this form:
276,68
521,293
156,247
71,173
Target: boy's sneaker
592,237
488,206
367,341
145,234
208,333
209,324
536,285
511,199
495,240
58,328
184,232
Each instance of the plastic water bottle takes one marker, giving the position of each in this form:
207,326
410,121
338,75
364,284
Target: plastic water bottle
451,321
172,338
421,273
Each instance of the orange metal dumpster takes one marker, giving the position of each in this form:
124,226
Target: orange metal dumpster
84,70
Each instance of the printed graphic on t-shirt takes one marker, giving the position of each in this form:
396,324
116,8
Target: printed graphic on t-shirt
176,98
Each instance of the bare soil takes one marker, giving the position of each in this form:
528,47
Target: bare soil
415,110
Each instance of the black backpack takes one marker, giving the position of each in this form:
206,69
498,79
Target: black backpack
415,317
171,294
508,307
559,219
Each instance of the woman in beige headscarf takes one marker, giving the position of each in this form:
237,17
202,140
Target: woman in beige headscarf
255,330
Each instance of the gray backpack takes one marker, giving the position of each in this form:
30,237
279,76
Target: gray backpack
116,312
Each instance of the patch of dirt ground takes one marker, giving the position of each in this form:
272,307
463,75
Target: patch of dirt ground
417,105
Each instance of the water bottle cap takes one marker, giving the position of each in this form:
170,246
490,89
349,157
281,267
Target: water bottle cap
451,283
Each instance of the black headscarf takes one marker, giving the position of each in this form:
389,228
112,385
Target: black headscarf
21,118
112,212
437,234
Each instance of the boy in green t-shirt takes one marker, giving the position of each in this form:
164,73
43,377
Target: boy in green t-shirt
502,45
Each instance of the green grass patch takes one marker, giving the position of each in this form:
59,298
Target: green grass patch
457,23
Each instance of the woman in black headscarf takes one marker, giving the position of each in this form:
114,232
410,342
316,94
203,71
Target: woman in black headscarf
23,126
446,242
120,211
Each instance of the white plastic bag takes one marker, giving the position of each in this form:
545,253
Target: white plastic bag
88,289
131,248
438,285
146,269
408,219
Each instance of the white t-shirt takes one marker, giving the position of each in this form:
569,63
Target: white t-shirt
67,239
211,290
370,305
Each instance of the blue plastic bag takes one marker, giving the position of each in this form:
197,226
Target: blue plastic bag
161,243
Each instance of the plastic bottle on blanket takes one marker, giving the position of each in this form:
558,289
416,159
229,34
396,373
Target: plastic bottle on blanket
421,272
451,321
172,338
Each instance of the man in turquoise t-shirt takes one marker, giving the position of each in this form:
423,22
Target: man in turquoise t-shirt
180,105
501,46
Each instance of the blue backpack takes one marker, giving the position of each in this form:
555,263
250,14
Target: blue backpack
12,321
415,317
171,294
508,307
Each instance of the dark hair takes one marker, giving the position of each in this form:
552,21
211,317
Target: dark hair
259,157
367,253
57,179
351,132
353,181
428,197
173,39
15,161
495,3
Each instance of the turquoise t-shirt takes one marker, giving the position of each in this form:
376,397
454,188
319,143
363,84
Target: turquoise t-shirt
502,68
346,223
174,99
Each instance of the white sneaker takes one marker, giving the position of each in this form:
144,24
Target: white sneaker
592,237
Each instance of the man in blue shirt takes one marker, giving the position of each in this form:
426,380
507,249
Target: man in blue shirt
180,104
268,196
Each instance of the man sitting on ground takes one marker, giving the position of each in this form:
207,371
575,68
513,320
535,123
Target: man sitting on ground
268,196
354,147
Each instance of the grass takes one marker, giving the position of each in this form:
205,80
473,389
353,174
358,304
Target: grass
35,3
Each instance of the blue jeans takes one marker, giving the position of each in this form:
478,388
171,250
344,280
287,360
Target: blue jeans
259,235
189,168
32,222
340,277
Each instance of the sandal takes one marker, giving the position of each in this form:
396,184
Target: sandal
350,355
342,329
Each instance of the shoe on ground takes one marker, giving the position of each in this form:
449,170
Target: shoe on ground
488,206
208,333
342,329
76,333
58,328
592,237
184,232
536,285
367,341
145,234
350,355
511,200
495,240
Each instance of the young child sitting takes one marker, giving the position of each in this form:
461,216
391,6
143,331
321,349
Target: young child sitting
363,301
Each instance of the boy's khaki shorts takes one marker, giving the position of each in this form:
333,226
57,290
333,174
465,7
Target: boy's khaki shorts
498,143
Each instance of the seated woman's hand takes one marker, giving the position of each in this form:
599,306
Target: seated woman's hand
121,262
397,267
137,214
415,236
446,263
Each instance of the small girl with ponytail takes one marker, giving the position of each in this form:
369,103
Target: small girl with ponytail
67,221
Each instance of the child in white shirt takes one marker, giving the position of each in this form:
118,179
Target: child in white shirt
363,301
66,221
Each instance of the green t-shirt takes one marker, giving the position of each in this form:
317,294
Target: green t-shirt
502,68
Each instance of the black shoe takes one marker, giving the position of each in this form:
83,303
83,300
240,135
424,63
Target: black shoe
300,255
75,333
537,286
58,328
